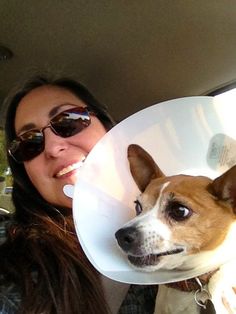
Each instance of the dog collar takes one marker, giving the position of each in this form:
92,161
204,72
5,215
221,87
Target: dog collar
192,284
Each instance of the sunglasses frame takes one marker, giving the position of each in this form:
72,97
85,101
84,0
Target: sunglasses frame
18,140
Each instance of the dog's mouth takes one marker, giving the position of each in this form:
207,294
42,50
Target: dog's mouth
150,259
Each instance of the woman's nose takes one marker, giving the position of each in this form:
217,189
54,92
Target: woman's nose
54,144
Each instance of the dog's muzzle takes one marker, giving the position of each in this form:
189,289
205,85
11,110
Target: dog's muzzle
131,241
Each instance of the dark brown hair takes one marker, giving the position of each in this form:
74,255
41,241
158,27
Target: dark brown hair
42,256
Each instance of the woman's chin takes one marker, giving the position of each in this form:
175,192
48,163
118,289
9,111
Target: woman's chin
68,202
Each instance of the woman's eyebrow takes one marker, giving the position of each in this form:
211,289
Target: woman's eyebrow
26,127
51,114
55,110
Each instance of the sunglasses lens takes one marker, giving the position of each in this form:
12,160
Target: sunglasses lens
30,145
71,122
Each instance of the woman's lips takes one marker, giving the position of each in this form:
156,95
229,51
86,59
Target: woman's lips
70,168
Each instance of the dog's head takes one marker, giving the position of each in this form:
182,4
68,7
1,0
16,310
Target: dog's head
177,216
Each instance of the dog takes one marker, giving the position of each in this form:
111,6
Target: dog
182,221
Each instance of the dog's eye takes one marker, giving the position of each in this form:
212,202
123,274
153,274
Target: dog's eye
178,211
138,207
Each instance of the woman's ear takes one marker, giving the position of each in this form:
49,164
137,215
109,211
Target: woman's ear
142,166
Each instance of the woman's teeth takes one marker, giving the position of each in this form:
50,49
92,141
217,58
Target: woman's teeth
69,168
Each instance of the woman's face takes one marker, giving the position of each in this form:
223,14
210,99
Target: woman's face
59,163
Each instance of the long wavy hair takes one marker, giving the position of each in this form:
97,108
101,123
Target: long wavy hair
42,256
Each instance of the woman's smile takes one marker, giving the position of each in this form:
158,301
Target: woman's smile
69,170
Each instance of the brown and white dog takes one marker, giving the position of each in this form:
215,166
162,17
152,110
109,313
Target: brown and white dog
183,221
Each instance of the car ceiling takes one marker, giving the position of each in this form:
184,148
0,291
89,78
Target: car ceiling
130,54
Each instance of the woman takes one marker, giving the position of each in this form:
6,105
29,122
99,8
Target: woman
51,127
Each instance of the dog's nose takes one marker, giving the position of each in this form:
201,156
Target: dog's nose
128,238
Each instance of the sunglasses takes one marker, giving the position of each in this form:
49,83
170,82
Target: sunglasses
65,124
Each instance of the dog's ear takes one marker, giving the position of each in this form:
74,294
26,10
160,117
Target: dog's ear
224,187
142,167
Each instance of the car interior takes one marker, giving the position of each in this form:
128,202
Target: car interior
129,54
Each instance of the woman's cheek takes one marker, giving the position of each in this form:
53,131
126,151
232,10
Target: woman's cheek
35,174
